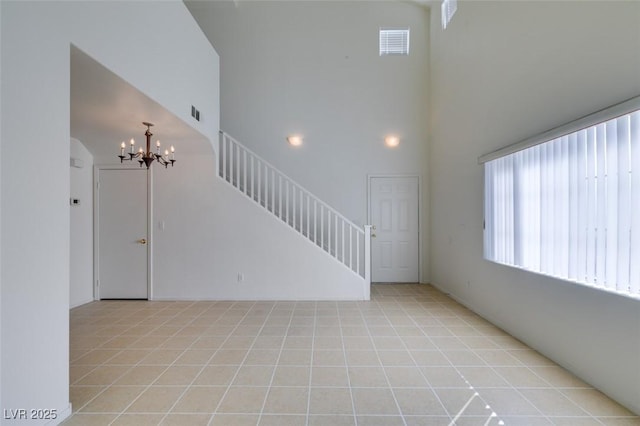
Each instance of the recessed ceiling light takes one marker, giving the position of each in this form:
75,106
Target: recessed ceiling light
294,140
391,141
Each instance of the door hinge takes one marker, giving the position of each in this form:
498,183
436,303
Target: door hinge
98,184
97,283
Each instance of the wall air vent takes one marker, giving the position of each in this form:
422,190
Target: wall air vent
394,41
195,113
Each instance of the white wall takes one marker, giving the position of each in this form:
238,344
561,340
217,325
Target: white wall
213,232
81,223
35,177
313,68
497,78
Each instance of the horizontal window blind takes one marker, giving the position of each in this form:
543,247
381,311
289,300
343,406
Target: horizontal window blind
570,207
394,41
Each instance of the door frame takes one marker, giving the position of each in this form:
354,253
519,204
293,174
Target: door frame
418,177
96,226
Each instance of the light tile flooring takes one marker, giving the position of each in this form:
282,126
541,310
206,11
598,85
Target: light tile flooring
410,356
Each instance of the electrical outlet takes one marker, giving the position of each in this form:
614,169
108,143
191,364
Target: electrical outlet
240,277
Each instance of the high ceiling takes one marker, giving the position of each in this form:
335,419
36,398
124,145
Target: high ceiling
106,110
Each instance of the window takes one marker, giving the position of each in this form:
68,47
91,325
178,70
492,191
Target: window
567,203
394,41
447,9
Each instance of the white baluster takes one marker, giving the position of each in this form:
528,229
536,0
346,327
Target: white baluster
335,239
273,191
358,254
259,194
286,186
350,247
244,171
329,224
343,255
279,196
231,149
301,210
265,192
293,206
308,235
223,156
322,226
315,221
267,195
251,176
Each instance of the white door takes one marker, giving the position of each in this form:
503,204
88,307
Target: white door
394,214
122,233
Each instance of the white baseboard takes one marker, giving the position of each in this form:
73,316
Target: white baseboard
84,302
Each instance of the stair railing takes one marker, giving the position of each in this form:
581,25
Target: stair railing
280,195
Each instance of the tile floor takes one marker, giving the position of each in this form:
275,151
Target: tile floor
410,356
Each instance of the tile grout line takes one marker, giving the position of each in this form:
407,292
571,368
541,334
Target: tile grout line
277,363
346,362
313,338
215,411
417,365
404,422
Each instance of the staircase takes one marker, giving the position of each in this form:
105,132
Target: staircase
305,213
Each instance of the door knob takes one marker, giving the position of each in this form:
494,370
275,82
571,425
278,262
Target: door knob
373,235
142,241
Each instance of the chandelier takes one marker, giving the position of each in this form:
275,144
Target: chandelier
147,157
